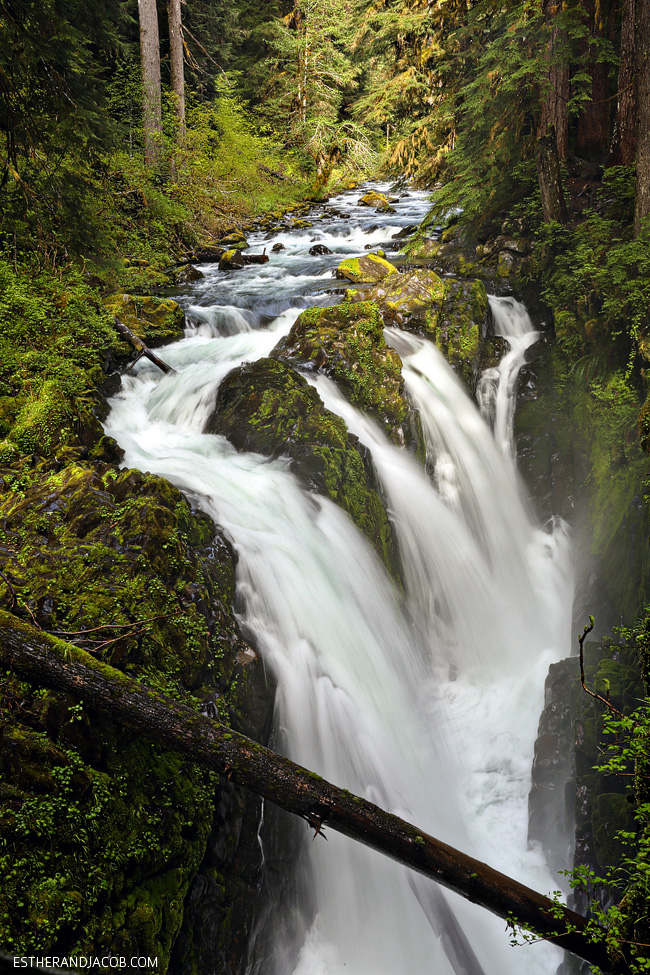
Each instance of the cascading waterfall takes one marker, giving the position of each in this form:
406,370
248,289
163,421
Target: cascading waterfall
425,702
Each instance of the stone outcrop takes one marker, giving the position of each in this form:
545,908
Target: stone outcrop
269,408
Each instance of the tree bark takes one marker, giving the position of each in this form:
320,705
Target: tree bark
555,108
550,179
45,660
642,46
592,135
176,63
151,94
624,148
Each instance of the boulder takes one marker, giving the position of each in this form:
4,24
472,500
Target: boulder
374,199
405,298
267,407
188,274
366,269
231,261
278,247
319,249
155,320
346,343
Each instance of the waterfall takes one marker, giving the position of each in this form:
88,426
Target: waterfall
425,702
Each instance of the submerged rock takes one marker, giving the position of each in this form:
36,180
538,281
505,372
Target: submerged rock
155,320
268,408
366,269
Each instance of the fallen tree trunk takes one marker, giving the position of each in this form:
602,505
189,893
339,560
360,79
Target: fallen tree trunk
48,661
141,348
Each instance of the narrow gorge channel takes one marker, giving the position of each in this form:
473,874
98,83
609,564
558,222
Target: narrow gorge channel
422,693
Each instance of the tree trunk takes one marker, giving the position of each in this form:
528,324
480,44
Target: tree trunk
624,148
176,63
555,108
550,179
592,136
151,96
642,45
48,661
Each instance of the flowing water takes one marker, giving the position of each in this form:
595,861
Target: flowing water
425,702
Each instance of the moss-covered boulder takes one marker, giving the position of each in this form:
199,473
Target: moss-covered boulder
268,408
376,200
405,298
233,241
346,343
187,275
155,320
101,833
458,326
231,260
366,269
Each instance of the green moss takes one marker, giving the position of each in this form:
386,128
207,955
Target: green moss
100,832
346,342
367,269
154,320
268,408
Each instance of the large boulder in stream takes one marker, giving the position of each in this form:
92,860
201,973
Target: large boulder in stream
346,343
452,313
268,408
366,269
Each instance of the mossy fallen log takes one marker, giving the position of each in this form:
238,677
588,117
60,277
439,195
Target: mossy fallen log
42,658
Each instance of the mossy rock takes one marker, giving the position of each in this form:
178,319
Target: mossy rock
406,298
644,425
346,343
268,408
366,269
187,275
425,249
232,260
233,241
374,199
101,832
458,327
155,320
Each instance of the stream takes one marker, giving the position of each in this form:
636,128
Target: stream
425,702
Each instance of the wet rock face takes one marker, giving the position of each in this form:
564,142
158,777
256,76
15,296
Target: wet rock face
575,811
268,408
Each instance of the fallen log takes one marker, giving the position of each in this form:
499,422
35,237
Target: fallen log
141,348
48,661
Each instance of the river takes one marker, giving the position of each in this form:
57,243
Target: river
426,702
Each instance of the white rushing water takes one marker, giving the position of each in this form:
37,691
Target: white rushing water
426,702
